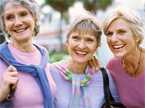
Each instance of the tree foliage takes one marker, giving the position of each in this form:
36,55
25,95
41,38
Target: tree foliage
93,5
60,5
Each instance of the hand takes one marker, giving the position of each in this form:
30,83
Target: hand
9,81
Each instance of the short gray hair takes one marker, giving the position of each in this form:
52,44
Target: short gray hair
31,5
131,17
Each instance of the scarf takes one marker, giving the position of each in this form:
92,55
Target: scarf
37,71
79,97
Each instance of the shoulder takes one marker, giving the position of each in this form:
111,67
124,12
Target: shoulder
40,47
113,62
57,67
105,71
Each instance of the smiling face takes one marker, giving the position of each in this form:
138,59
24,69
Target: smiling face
19,22
81,47
120,38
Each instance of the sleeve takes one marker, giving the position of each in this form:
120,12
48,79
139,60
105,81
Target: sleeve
50,79
52,83
112,87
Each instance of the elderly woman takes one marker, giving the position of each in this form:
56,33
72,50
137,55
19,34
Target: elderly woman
22,63
77,83
124,33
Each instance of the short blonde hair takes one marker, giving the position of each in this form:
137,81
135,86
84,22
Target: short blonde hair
131,17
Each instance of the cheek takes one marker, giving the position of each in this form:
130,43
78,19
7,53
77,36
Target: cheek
108,43
7,28
31,20
6,25
93,50
33,24
68,47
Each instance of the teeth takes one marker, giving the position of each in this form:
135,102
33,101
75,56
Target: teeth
80,52
117,46
20,30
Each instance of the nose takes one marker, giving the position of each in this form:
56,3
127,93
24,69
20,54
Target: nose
18,21
82,44
114,37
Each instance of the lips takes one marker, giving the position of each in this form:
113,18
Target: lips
19,30
81,53
118,46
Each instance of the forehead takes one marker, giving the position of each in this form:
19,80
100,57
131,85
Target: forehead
11,6
85,29
119,24
83,34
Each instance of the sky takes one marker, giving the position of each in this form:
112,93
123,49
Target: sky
137,4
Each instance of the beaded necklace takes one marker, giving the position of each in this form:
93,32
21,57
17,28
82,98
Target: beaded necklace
83,82
68,74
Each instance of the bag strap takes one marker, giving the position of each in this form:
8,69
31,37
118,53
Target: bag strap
12,90
107,92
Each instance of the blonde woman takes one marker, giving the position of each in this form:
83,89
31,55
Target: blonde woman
124,33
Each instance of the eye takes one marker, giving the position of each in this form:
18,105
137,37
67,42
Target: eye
9,17
121,31
23,13
89,40
75,37
108,34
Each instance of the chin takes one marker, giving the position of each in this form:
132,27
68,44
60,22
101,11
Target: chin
81,61
119,55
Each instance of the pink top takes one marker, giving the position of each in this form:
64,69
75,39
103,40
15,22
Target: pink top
130,89
28,93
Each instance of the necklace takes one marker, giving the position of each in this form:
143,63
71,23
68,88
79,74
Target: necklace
67,74
83,82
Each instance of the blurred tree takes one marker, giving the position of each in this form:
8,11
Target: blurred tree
94,5
61,6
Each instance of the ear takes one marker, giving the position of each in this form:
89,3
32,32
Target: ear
65,46
137,40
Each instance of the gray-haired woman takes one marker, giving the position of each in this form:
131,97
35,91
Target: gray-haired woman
124,33
23,65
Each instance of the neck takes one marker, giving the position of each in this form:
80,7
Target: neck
132,62
23,46
77,68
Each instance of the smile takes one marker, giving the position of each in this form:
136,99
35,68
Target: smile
20,30
82,53
117,46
